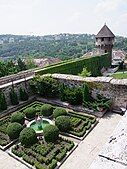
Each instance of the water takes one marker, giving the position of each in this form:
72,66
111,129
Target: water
35,125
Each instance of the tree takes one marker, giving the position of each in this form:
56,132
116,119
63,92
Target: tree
21,65
3,103
85,73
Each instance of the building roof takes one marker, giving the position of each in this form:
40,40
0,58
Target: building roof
105,32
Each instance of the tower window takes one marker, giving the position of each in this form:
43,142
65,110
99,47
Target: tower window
109,39
102,39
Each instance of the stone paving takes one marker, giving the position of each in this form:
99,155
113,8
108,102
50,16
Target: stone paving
114,152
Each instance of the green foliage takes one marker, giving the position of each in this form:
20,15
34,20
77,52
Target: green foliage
23,94
85,73
73,95
76,66
86,93
3,103
28,137
47,110
13,130
18,117
13,97
63,123
21,65
100,104
45,86
61,155
59,112
30,112
51,133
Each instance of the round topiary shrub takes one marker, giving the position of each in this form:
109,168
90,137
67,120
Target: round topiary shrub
47,110
59,112
13,130
30,112
18,117
51,133
28,137
63,123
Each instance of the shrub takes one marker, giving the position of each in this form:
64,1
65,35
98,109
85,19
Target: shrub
30,112
3,103
86,93
59,112
51,133
28,137
13,130
23,94
47,110
13,97
63,123
72,95
18,117
45,86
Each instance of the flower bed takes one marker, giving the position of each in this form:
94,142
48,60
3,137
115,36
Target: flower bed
44,155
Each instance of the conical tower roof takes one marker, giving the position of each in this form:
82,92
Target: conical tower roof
105,32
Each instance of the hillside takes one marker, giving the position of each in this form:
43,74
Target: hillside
63,46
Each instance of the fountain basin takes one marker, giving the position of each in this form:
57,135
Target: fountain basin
39,129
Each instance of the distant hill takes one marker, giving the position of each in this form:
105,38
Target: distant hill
63,46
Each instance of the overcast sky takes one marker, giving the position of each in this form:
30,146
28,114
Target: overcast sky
41,17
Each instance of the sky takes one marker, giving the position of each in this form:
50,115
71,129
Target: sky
43,17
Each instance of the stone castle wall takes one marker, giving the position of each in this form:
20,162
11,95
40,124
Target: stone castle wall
107,86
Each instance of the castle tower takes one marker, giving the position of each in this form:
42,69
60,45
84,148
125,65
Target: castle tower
105,41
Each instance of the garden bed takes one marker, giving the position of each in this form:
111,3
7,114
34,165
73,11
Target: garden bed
75,108
81,123
5,142
43,155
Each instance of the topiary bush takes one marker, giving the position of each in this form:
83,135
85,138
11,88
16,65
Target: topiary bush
63,123
13,130
18,117
13,97
23,94
28,137
47,110
59,112
3,103
30,112
51,133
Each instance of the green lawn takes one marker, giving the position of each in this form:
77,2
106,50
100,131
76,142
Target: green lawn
120,75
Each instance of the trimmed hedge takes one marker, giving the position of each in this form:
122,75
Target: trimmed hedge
13,97
28,137
47,110
59,112
3,103
63,123
18,117
23,94
51,133
76,66
30,112
13,130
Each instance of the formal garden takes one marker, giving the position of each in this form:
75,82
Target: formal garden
40,134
